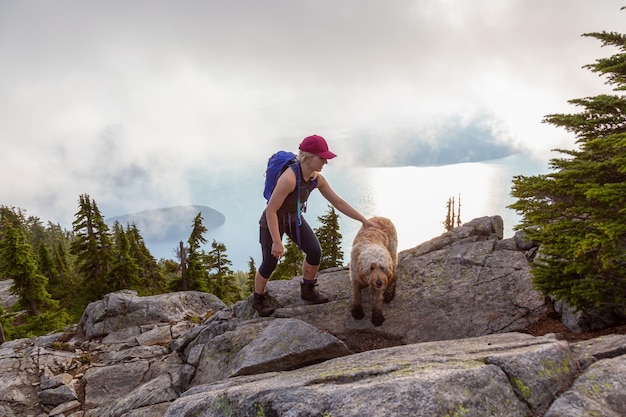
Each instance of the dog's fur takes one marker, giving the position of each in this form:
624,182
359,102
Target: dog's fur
373,264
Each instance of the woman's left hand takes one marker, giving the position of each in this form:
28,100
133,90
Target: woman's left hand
367,224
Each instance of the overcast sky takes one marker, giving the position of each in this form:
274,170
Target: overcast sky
129,100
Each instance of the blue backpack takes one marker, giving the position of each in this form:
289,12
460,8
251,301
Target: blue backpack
276,165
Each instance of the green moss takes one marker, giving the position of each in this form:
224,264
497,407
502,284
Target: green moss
552,369
522,388
459,411
221,404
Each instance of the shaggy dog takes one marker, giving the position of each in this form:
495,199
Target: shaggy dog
373,263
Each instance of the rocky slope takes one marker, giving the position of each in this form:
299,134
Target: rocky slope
452,344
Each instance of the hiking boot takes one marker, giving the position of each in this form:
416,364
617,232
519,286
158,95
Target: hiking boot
309,293
260,305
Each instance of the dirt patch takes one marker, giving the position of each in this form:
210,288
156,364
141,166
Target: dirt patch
548,324
362,341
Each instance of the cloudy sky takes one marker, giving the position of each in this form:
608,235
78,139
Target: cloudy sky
130,101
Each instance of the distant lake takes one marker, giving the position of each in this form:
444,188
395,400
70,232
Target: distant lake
414,198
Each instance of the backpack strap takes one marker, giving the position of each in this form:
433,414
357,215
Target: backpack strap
299,214
297,171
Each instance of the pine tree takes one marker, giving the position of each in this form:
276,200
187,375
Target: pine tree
452,219
46,266
251,274
448,223
65,283
330,239
124,273
18,262
196,272
150,275
14,217
58,243
221,279
576,212
92,247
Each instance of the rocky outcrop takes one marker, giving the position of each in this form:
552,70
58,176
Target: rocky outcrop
464,283
451,345
498,375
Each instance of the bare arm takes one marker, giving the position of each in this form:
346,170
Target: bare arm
284,186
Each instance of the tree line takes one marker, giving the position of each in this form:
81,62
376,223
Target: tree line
55,272
576,214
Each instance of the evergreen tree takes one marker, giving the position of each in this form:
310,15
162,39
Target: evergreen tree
576,212
124,273
452,219
46,265
251,274
14,217
221,278
151,276
171,271
64,285
58,244
196,275
92,247
18,262
330,239
35,231
290,264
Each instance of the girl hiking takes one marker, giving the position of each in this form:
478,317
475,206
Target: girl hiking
283,214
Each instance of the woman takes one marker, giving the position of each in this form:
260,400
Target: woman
280,217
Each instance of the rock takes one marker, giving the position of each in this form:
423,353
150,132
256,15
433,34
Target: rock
7,299
579,322
599,391
478,376
58,395
450,346
522,241
61,409
160,335
56,381
286,344
603,347
124,309
458,285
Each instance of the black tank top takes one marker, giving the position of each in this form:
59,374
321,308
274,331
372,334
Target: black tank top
287,213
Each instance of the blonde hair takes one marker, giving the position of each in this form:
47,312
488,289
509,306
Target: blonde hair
302,155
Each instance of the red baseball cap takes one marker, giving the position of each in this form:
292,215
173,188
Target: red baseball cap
316,145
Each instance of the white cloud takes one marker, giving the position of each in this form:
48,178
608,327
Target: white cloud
125,100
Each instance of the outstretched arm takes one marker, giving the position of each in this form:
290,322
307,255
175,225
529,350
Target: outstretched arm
340,204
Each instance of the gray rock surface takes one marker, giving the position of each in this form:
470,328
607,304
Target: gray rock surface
498,375
453,347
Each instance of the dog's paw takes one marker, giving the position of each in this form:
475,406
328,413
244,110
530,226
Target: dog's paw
378,318
357,312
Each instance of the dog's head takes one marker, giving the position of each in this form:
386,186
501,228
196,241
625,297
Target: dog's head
375,266
378,275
